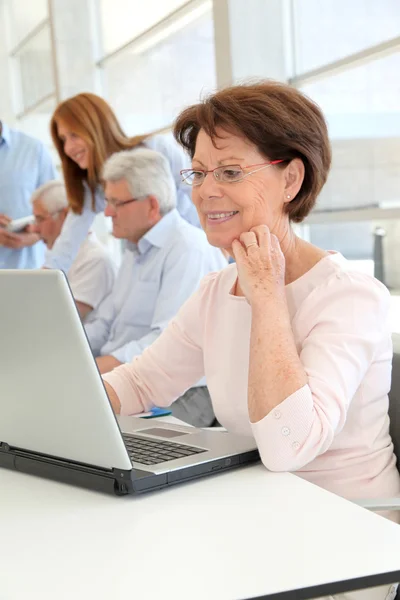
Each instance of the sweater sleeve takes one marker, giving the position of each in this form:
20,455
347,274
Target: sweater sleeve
348,318
170,366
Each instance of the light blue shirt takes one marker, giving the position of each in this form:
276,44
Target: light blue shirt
76,227
155,278
25,164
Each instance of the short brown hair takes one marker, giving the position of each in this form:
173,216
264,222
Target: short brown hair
90,117
278,119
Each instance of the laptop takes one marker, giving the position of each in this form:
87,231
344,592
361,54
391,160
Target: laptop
55,417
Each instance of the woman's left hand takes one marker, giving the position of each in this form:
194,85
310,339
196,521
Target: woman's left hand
260,264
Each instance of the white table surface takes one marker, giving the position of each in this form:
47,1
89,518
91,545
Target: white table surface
241,534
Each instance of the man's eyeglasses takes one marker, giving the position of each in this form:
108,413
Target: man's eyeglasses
115,204
224,174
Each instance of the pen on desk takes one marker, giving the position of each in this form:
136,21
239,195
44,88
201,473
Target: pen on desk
156,412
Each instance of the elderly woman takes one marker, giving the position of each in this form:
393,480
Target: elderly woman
294,343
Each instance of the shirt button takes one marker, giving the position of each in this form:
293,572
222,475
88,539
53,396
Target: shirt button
285,431
295,445
277,414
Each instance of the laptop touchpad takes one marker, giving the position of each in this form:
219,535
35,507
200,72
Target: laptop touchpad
165,433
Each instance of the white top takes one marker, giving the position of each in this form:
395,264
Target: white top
334,431
92,275
242,534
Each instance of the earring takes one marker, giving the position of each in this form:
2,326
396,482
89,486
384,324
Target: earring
288,196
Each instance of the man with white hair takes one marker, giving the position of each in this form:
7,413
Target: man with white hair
92,274
164,261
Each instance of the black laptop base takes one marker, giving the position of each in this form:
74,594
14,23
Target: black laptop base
114,481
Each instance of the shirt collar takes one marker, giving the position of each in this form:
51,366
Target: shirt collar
5,134
158,235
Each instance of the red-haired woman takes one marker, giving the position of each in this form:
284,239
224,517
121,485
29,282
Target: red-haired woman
86,132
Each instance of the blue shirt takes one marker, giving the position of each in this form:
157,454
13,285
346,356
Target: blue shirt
155,278
76,227
25,164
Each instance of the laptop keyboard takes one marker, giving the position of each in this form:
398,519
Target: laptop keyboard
151,452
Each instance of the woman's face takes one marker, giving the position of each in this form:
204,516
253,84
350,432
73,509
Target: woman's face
228,209
74,146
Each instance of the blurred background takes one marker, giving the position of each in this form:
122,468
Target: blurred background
150,59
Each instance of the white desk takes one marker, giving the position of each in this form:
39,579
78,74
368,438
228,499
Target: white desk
242,534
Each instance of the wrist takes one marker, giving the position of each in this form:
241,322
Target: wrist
271,298
269,310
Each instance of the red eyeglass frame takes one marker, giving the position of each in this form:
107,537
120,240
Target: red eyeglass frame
270,162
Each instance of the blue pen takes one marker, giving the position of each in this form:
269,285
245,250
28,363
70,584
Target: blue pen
158,412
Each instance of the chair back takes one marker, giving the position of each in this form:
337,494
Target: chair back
394,398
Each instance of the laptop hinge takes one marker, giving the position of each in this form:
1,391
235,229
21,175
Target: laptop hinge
116,481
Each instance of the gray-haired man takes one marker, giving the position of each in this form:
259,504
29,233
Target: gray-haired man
164,261
92,274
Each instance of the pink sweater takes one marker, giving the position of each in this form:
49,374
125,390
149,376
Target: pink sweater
334,431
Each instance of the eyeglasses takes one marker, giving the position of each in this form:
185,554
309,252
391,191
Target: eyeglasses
116,205
224,174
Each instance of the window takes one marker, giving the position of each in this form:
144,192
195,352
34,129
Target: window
333,29
124,20
37,124
362,106
35,69
148,86
24,17
30,52
362,195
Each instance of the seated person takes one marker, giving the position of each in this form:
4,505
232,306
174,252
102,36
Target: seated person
92,274
295,343
164,260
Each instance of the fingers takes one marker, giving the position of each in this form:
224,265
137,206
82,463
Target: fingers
249,240
263,235
259,238
266,239
11,240
239,253
4,220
